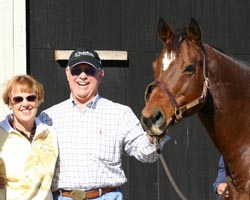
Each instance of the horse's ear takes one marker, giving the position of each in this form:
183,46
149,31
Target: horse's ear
194,32
164,30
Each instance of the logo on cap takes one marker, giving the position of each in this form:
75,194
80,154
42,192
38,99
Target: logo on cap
83,53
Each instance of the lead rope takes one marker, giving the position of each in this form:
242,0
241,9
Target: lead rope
165,167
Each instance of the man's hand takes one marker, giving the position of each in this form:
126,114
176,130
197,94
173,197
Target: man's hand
150,138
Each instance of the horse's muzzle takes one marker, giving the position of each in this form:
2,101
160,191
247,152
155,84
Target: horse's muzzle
155,124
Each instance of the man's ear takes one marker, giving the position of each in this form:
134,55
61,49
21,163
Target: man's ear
101,75
67,71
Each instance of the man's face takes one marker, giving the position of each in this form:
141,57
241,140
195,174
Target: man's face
83,82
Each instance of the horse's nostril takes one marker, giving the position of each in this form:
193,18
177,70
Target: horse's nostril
156,117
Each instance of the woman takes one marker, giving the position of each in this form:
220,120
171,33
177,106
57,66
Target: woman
28,150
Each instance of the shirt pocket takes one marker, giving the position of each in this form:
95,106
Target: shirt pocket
107,148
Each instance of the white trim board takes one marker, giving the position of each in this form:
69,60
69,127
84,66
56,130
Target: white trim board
12,43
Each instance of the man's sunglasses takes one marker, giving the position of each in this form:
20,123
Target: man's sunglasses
77,71
19,99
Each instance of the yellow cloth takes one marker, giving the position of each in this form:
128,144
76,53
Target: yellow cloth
27,167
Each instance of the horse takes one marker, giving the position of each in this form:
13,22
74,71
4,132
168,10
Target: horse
192,77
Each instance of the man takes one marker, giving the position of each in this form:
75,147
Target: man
92,133
220,183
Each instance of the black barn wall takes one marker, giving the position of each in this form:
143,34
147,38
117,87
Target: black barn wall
132,26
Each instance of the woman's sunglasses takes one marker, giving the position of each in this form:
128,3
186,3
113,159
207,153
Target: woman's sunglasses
77,71
19,99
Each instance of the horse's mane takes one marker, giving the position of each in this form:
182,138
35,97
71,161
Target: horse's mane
241,63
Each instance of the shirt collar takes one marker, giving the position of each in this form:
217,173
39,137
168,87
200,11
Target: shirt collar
8,127
92,104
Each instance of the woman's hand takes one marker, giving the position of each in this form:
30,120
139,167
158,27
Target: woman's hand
2,182
220,189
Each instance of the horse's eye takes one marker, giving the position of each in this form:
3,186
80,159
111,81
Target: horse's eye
190,69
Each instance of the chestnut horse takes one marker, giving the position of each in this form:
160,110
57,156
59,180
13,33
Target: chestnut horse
193,77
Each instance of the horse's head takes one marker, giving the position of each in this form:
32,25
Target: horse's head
180,83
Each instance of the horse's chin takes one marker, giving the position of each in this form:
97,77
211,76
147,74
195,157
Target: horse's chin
156,131
159,129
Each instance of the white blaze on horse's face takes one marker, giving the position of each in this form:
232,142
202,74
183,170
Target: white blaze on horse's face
167,59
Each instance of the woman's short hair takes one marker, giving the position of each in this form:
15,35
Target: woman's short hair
25,83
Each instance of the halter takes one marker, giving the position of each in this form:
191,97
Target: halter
180,110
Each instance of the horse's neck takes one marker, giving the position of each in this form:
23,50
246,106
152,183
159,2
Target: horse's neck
227,75
226,113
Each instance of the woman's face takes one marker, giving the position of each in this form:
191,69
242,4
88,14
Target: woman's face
24,106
